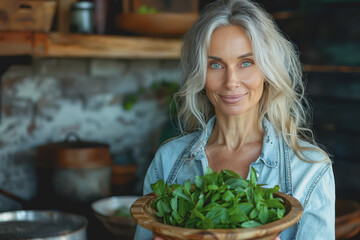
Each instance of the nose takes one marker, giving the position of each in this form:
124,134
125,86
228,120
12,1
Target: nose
232,81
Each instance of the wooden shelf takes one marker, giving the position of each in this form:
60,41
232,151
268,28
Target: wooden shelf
103,46
78,45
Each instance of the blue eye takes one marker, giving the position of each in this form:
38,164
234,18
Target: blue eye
215,66
246,64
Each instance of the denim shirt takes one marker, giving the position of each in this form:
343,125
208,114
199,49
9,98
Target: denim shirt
311,183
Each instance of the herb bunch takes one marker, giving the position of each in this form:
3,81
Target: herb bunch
217,200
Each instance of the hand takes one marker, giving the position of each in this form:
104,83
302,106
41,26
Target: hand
277,238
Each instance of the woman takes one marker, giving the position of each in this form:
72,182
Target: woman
242,104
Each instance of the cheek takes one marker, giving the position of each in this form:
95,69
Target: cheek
213,81
254,82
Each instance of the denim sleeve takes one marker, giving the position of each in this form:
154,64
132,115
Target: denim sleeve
152,176
318,220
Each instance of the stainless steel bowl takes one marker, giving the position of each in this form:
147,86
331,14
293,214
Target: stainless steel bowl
49,225
121,227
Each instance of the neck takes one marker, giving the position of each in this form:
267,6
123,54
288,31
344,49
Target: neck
236,131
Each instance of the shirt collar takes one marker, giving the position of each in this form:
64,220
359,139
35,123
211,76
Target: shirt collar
270,149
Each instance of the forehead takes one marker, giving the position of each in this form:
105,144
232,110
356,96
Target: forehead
229,40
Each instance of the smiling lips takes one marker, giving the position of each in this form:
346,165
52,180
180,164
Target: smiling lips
232,99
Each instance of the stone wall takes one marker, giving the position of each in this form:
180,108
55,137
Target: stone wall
43,101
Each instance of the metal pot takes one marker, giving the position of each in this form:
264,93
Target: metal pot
77,170
39,225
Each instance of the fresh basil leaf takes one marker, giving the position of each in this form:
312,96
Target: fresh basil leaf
280,213
210,207
191,223
175,215
181,208
173,203
195,196
223,188
180,193
175,186
215,197
172,221
200,203
199,182
275,189
254,213
238,216
158,187
228,196
208,171
207,224
237,183
258,192
188,185
263,215
246,207
218,215
250,195
231,173
160,208
253,177
250,224
198,214
274,203
165,205
212,187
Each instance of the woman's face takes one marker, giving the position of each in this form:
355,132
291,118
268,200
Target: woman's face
234,83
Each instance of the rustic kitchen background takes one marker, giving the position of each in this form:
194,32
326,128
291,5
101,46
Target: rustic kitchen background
109,80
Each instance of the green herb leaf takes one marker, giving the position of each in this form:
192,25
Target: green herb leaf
180,193
253,177
217,200
199,182
173,203
274,203
218,215
250,224
263,215
188,185
228,196
237,183
207,223
246,207
159,187
238,216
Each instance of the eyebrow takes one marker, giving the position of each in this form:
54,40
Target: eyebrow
242,56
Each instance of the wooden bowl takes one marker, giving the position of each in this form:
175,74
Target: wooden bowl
156,24
144,215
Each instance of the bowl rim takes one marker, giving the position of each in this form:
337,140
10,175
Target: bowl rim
294,212
104,200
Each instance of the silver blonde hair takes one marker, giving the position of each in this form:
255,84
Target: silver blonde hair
283,102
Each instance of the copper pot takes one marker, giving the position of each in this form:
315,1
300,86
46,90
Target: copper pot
75,169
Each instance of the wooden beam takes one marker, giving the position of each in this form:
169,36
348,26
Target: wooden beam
78,45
